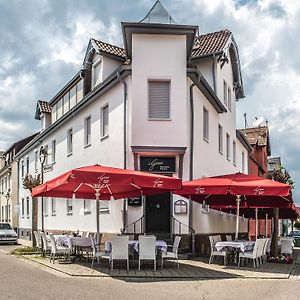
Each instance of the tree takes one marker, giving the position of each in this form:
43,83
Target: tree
297,225
29,182
279,174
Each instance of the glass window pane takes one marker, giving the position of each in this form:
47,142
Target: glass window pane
66,103
72,97
105,121
79,90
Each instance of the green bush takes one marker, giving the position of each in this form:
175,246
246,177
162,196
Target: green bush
23,251
297,224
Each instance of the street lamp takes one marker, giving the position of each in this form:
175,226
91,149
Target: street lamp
42,157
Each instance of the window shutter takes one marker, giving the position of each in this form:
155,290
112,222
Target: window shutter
159,99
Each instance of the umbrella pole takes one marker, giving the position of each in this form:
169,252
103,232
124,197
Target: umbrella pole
238,199
97,194
256,227
266,225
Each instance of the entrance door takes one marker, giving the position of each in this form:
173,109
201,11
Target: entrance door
157,213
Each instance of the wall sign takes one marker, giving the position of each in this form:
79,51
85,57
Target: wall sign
136,201
180,207
158,164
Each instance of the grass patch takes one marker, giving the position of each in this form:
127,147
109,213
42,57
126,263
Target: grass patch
24,251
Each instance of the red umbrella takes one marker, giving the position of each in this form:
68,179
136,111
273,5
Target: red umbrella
103,183
237,189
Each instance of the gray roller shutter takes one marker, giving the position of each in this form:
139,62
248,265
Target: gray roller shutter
159,99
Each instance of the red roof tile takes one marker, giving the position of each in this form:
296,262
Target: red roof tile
44,107
110,49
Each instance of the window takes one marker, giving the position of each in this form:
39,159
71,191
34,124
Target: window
53,206
47,156
159,100
86,206
22,168
2,185
205,124
79,90
2,213
104,207
228,146
70,141
9,179
53,151
45,206
54,113
36,157
225,92
27,207
5,183
66,103
105,121
59,109
23,208
243,162
234,153
73,96
229,98
97,72
8,218
220,139
87,131
69,207
27,165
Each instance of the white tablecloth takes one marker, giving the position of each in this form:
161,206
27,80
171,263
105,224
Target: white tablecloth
72,241
159,244
241,245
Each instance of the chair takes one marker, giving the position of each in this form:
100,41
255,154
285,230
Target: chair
213,250
96,253
287,246
260,249
46,246
264,254
57,250
173,254
228,237
147,249
38,241
250,254
119,250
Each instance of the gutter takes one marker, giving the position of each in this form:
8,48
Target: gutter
240,136
110,82
199,80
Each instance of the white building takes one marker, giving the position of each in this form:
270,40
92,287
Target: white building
165,103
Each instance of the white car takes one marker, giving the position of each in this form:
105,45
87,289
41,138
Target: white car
7,234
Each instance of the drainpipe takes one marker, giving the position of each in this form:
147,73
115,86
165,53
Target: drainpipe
124,139
191,160
214,71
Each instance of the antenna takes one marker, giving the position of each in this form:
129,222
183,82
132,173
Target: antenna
245,118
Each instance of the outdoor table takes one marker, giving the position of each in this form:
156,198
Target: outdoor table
234,247
134,244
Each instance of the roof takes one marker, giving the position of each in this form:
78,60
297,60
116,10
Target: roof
257,136
109,49
210,43
42,107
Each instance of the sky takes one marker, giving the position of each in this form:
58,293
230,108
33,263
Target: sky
43,43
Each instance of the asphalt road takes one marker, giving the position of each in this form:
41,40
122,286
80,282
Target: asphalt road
20,279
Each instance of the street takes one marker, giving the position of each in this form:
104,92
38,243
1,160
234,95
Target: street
22,279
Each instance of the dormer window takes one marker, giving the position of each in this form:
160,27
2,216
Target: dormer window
97,72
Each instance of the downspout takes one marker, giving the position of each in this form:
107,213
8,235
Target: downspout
124,139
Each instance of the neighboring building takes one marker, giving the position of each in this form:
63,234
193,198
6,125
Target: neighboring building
258,138
9,185
273,163
165,103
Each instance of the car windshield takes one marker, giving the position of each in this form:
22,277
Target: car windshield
296,233
5,226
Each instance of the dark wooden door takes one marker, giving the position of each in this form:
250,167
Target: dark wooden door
157,213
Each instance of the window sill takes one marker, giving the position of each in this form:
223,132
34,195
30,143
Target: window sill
159,119
87,212
234,163
88,145
206,140
228,158
69,213
104,211
53,214
220,152
69,154
104,137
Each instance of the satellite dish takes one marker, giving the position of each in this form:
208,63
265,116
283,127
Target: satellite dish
258,121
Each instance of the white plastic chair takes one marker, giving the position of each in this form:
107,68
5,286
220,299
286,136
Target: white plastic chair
38,241
57,250
119,250
97,254
264,254
46,246
213,250
173,254
260,250
147,249
287,246
228,237
250,254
